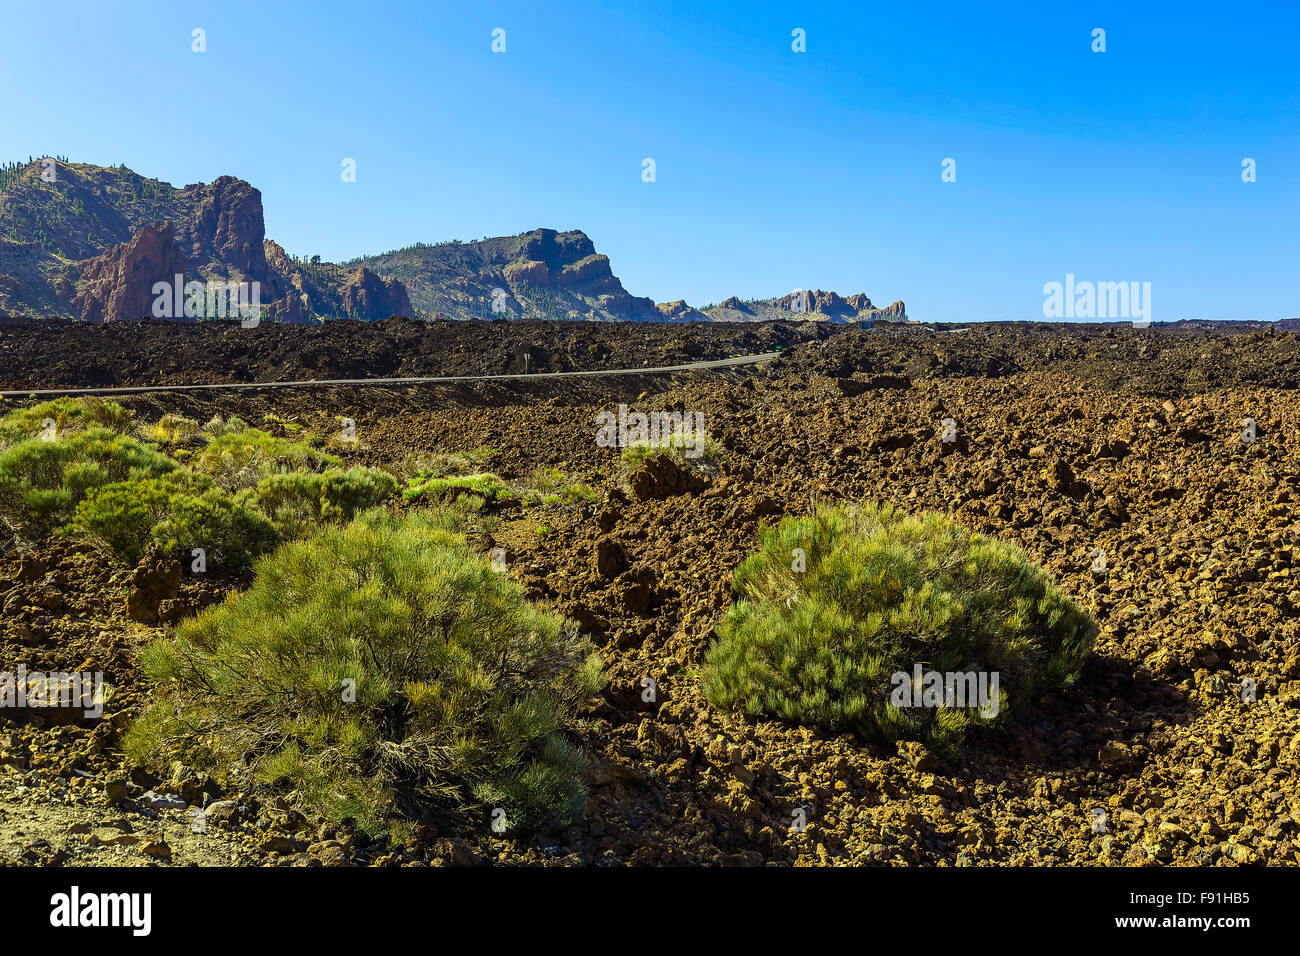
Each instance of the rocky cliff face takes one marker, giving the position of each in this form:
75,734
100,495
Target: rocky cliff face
91,244
226,226
367,296
539,274
119,283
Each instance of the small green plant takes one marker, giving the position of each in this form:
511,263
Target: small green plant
689,449
835,605
550,486
218,426
171,429
440,464
106,414
545,531
383,671
428,487
287,424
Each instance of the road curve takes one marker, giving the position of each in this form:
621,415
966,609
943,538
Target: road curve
418,380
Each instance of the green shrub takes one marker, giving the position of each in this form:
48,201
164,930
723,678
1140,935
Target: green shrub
550,486
177,510
121,516
433,488
171,429
68,414
218,426
439,464
696,451
231,528
385,672
41,482
298,500
881,593
105,413
242,458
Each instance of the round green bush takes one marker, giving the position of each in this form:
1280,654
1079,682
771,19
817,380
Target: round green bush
840,611
177,510
297,501
387,673
41,482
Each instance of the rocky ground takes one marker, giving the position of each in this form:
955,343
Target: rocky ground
1079,445
47,354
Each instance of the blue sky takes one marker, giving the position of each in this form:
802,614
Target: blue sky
775,170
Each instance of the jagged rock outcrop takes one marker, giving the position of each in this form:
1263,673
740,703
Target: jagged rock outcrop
119,284
529,271
890,313
660,477
290,298
679,311
810,304
227,225
294,309
544,273
367,296
156,579
99,219
591,271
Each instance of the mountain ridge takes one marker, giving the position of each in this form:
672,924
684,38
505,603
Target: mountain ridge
90,242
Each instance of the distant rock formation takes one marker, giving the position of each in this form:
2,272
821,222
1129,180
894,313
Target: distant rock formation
367,296
93,245
806,304
679,311
226,226
119,283
538,274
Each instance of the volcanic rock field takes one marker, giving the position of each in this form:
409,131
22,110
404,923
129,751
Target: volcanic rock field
1117,458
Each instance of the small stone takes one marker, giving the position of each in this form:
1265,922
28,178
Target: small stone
115,789
157,849
163,801
1239,854
278,844
222,811
915,754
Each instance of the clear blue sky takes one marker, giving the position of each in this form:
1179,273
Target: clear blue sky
775,169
